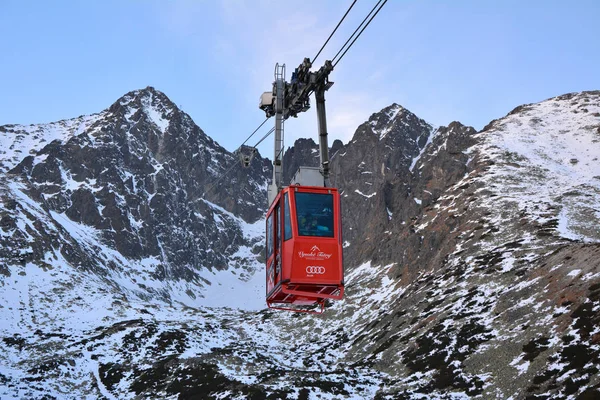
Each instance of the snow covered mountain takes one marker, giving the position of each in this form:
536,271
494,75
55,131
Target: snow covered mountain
123,195
472,259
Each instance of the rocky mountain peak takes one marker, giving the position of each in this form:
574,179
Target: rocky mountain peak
335,146
142,183
392,121
389,141
148,105
388,114
304,152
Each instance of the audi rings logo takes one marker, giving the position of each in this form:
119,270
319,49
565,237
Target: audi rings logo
315,270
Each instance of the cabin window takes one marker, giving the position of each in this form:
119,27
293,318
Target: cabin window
314,214
269,236
278,219
287,221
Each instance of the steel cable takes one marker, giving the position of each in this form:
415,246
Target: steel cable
224,174
337,26
359,26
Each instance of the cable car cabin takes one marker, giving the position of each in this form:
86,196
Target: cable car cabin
304,248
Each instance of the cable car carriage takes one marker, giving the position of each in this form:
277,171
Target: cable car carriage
304,248
303,229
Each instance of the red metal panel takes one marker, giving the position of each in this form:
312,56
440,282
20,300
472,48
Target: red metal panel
311,266
316,260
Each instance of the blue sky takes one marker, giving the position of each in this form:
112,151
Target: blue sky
470,61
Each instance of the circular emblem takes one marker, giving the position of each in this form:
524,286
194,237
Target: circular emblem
315,270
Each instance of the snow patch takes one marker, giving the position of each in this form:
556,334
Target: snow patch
368,196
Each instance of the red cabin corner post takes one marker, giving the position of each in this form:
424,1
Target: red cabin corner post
304,264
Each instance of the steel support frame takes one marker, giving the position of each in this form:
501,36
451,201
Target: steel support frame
279,89
322,125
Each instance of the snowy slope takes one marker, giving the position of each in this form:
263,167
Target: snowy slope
548,163
20,141
76,210
136,278
508,263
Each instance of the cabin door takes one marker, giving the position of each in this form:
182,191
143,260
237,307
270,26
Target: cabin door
278,244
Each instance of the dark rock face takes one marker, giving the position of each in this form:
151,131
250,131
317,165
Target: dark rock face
395,167
304,153
144,175
379,156
442,166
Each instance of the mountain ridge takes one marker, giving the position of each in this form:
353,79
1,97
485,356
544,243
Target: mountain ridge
472,264
131,179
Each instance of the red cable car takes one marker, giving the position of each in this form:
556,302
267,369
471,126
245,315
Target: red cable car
304,248
304,230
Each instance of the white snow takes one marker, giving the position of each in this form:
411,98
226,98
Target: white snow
154,114
508,263
392,113
432,134
574,273
20,141
365,195
520,365
228,290
547,163
563,226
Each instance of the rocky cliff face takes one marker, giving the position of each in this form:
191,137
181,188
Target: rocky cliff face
304,153
134,190
488,283
373,172
472,261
